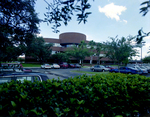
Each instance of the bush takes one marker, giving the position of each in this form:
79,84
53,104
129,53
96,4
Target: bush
99,95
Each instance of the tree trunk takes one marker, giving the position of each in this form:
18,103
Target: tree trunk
91,60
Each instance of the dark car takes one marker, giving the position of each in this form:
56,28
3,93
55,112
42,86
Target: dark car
77,66
16,76
126,70
64,65
71,65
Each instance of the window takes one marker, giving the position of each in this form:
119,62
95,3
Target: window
53,52
36,78
22,78
4,80
57,45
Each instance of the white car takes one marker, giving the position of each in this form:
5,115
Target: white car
99,68
54,65
144,71
46,66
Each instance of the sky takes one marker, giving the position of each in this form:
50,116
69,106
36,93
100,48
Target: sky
109,18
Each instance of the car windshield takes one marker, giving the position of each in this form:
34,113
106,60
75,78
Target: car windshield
143,67
4,80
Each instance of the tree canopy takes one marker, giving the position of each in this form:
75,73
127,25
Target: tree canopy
60,57
97,49
144,9
120,50
61,11
79,52
39,50
146,59
18,23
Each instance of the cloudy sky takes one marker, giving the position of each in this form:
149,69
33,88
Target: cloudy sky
109,18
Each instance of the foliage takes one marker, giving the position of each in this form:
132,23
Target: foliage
21,60
141,35
18,22
146,59
31,64
60,11
120,50
39,50
106,95
86,72
97,48
145,8
60,57
79,52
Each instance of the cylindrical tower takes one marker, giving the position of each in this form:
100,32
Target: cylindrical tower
71,38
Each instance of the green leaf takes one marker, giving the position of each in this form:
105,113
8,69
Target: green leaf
1,107
13,103
25,112
35,111
66,110
118,116
81,102
11,113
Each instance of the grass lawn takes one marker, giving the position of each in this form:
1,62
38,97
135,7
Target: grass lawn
31,65
85,72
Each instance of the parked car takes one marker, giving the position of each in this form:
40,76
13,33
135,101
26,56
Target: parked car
99,68
77,66
148,68
46,66
64,65
110,67
126,70
55,66
26,70
143,70
8,77
71,65
13,67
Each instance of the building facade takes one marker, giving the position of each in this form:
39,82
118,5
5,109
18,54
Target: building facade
70,39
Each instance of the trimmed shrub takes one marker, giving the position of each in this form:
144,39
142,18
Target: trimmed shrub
98,95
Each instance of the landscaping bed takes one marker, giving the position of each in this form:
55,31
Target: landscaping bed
106,95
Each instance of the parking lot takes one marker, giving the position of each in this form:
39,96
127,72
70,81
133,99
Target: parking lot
63,73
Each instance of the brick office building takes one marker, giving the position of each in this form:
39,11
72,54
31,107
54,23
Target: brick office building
69,39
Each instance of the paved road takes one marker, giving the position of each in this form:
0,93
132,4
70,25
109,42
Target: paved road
61,73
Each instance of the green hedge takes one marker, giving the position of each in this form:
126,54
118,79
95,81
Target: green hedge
98,95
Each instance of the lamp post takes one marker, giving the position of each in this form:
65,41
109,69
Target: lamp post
142,44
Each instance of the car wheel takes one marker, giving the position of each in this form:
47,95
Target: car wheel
93,70
129,73
103,70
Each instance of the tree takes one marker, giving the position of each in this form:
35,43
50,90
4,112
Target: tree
79,52
18,22
97,48
144,10
39,50
120,50
62,11
146,59
91,45
60,57
141,35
